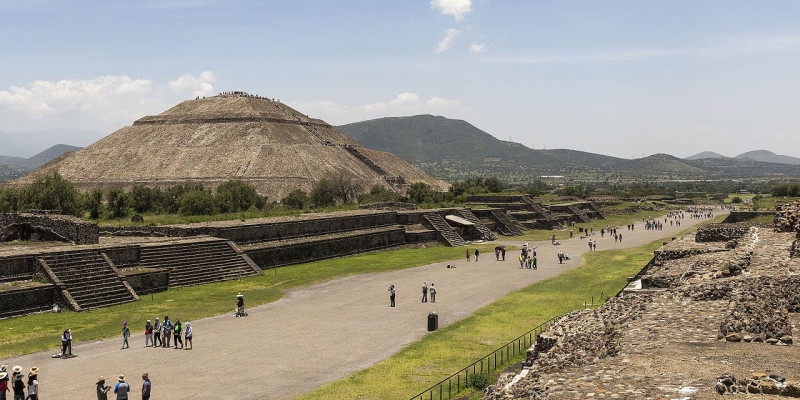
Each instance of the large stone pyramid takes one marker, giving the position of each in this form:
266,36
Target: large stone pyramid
231,136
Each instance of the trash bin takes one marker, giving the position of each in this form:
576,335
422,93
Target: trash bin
433,322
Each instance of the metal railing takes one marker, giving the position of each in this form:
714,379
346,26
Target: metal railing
449,387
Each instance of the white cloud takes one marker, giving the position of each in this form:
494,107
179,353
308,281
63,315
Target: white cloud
404,100
457,8
448,41
114,99
407,103
441,103
319,107
477,48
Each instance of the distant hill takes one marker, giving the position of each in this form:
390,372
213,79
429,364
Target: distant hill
705,154
455,150
768,156
28,144
15,167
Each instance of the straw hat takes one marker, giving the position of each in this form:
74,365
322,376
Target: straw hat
17,369
148,321
34,370
101,379
145,375
3,375
121,378
3,367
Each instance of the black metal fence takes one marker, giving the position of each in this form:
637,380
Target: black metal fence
452,385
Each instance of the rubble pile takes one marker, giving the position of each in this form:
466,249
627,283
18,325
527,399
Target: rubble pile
758,383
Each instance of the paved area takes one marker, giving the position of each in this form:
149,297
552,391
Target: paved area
313,335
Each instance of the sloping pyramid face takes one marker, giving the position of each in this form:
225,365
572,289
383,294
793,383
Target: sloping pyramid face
231,136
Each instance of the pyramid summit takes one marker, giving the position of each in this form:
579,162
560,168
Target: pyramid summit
233,135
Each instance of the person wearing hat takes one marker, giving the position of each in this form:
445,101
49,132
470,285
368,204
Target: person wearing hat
3,382
166,329
33,384
122,388
148,334
157,334
18,385
66,343
102,389
126,333
146,386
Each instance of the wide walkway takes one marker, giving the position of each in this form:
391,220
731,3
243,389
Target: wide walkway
313,335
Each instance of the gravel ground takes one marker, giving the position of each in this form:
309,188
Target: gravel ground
313,335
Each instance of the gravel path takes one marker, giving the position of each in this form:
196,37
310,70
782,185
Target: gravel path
314,335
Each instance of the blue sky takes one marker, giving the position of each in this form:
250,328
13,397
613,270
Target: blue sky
623,78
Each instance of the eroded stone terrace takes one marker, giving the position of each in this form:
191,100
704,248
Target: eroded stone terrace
711,309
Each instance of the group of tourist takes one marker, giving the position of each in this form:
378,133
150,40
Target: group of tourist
426,290
477,253
159,333
122,388
527,257
17,383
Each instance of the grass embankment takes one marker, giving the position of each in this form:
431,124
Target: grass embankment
449,349
39,332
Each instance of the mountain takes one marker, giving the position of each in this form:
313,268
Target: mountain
46,156
12,161
231,136
705,154
455,150
768,156
28,144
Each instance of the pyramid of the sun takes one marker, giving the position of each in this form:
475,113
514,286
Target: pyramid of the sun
230,136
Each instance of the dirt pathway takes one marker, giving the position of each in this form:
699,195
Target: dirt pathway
313,335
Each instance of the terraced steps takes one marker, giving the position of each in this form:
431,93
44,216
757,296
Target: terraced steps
88,278
512,228
469,216
445,231
580,213
196,263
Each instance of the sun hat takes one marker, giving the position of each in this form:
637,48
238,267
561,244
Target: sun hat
148,320
101,379
3,375
3,367
145,375
34,370
121,378
17,369
156,318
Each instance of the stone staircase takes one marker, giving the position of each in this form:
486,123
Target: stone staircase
391,180
445,231
547,215
196,263
511,228
580,213
469,216
87,279
599,210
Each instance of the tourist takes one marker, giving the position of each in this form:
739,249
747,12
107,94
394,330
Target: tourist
468,255
553,239
590,244
391,295
148,334
424,292
33,384
122,388
3,383
433,293
178,329
18,386
534,262
497,253
157,334
102,389
189,332
126,333
503,253
166,330
239,305
560,256
66,343
477,253
146,386
522,260
594,245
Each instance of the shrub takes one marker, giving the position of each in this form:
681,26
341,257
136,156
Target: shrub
144,199
297,200
117,203
478,381
378,194
736,200
235,196
93,202
51,192
196,202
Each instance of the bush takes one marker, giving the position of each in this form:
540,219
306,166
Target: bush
378,194
297,200
235,196
93,202
196,202
736,200
51,193
144,199
478,381
117,203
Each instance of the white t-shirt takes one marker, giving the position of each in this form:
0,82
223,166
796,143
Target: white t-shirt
33,386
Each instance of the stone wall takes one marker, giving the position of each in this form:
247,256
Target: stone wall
21,301
51,227
425,236
294,253
148,281
123,257
721,232
744,216
787,219
17,268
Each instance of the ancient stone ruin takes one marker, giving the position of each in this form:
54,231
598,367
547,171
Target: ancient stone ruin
712,314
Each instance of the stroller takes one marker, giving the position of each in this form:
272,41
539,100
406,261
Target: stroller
240,312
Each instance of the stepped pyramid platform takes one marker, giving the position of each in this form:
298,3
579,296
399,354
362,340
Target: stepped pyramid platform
235,135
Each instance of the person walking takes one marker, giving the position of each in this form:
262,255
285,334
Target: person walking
468,255
102,389
66,343
126,333
18,386
391,295
534,262
157,334
3,384
433,293
148,334
146,386
424,292
166,330
594,245
33,384
188,334
477,253
560,256
122,388
503,253
178,329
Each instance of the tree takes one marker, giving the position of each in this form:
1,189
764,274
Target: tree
333,189
52,192
117,203
196,202
297,200
378,194
323,194
419,192
236,195
10,199
736,200
144,199
93,202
